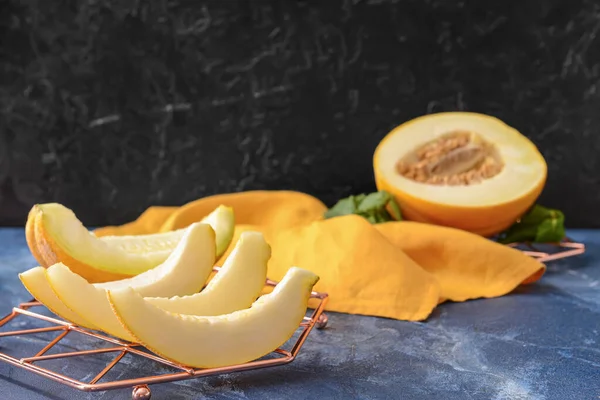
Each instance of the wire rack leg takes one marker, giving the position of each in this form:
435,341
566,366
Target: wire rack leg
322,321
141,392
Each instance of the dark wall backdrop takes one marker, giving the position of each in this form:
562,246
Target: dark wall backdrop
112,106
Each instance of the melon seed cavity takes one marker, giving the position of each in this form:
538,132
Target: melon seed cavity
456,158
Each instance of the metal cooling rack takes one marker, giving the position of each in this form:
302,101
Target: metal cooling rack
550,252
121,348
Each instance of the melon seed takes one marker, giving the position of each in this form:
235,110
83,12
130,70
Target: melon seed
457,161
457,158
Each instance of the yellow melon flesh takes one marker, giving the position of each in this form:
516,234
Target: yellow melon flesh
36,283
184,272
30,236
216,341
221,220
61,237
236,286
85,300
486,207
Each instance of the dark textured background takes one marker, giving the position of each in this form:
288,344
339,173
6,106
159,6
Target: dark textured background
111,106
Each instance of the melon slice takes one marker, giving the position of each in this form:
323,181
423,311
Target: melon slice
36,283
236,286
58,236
221,219
216,341
184,272
30,236
464,170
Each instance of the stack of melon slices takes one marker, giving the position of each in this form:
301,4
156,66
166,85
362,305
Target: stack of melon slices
164,302
55,234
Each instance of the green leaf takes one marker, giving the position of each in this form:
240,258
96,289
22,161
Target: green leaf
552,229
371,206
539,224
359,198
343,207
395,209
374,201
372,219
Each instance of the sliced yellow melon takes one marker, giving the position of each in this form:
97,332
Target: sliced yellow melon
236,286
216,341
221,219
61,237
36,283
30,236
184,272
464,170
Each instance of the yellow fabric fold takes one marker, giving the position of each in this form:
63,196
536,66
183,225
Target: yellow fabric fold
276,209
150,221
398,270
467,266
340,250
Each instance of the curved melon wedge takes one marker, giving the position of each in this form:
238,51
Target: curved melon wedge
222,221
216,341
60,237
36,283
236,286
85,300
30,236
184,272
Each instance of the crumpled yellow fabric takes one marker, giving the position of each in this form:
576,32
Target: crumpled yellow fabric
400,270
277,209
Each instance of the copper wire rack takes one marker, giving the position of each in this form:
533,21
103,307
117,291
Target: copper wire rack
545,252
141,391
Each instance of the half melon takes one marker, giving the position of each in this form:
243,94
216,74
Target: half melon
217,341
464,170
235,287
183,273
55,234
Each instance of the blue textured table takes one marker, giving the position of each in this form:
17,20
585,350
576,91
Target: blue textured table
541,342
